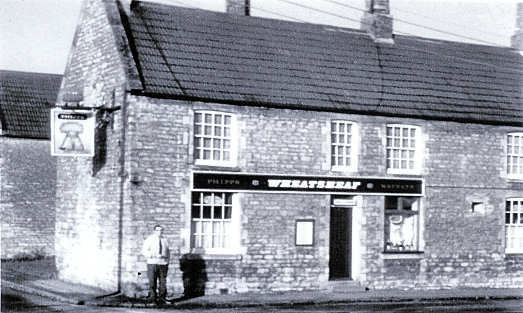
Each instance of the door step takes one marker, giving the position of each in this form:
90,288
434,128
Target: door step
342,286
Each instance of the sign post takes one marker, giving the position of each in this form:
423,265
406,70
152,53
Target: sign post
72,132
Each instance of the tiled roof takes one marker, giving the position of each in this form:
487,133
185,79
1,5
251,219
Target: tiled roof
25,100
217,57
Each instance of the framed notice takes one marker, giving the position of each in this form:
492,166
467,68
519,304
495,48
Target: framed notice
72,132
304,232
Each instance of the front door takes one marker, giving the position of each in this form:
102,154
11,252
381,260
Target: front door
340,243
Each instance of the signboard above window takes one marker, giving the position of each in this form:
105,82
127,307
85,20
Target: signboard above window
306,184
72,132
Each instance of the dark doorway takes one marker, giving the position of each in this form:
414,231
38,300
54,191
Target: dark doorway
340,243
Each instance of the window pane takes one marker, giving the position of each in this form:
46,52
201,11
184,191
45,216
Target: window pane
228,213
195,212
206,212
198,129
206,154
198,117
217,212
216,155
217,131
227,120
401,232
207,142
208,118
217,119
405,132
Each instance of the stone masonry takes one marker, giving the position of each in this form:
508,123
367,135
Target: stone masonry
28,177
141,175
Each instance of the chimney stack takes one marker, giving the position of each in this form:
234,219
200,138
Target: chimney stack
377,21
517,38
239,7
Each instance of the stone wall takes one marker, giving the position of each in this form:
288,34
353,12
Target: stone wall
91,193
27,197
461,247
141,176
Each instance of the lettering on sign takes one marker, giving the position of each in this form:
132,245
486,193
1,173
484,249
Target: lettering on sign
309,184
313,184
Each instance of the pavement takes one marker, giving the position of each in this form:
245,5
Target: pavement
80,294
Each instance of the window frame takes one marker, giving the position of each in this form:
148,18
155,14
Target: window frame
233,138
354,146
418,150
419,224
508,249
234,234
518,176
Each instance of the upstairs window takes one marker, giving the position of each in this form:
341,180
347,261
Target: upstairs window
214,142
402,224
344,136
515,155
514,225
403,149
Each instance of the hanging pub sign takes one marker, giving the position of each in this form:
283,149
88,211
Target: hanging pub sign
306,184
72,132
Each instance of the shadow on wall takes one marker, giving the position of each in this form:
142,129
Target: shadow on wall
100,143
194,275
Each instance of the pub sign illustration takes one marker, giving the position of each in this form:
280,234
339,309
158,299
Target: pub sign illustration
72,132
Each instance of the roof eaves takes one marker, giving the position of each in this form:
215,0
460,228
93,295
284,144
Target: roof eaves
373,112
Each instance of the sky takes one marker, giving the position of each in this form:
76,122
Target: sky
36,35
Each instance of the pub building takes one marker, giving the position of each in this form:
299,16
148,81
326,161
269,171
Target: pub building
288,156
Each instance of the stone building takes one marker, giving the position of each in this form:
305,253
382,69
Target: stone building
27,170
290,156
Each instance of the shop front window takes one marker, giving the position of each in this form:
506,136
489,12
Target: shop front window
212,221
514,225
402,224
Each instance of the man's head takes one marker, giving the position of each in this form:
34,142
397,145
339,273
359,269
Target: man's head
158,229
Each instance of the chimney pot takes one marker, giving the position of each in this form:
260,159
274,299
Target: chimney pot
239,7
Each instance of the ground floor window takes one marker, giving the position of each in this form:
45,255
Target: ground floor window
402,224
514,225
212,221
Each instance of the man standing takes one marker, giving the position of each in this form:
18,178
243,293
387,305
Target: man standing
156,250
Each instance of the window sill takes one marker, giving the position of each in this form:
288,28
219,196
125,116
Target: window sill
400,172
217,167
341,169
393,255
514,252
226,254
